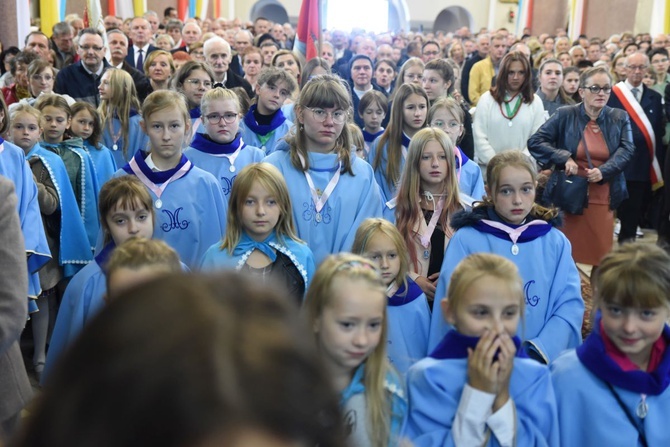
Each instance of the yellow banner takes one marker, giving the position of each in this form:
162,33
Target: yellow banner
49,14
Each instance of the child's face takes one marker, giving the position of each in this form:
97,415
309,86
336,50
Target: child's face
167,131
433,168
195,86
413,75
649,79
228,115
82,124
514,195
445,120
25,131
571,83
434,85
414,111
634,330
271,97
54,124
373,116
126,223
487,304
105,88
350,327
42,82
260,213
382,250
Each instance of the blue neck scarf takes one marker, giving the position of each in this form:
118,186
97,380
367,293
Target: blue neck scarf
194,112
102,257
206,145
277,120
405,295
405,140
593,356
463,157
156,177
370,137
455,345
530,234
247,243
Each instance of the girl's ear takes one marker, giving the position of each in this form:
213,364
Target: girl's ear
448,84
447,311
299,114
488,191
143,125
69,122
257,90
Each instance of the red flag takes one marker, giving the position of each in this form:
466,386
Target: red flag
309,28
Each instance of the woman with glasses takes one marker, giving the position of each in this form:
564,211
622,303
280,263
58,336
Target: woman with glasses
509,113
332,190
220,149
562,144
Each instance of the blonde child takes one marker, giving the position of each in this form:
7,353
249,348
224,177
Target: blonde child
260,237
56,121
265,123
220,149
510,224
428,197
189,203
407,307
389,152
86,125
119,114
346,309
357,141
475,388
622,371
447,114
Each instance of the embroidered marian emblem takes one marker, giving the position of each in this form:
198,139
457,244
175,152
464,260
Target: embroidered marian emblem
227,184
174,222
533,300
321,217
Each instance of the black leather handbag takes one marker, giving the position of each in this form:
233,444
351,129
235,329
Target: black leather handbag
569,193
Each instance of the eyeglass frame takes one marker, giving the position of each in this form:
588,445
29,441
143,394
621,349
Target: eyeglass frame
595,89
199,82
315,110
232,116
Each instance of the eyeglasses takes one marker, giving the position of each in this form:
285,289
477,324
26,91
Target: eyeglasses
215,118
595,89
320,115
414,77
198,82
637,67
87,48
451,125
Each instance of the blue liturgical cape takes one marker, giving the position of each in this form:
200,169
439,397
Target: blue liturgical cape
137,140
253,133
103,162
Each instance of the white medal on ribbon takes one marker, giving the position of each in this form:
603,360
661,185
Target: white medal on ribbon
158,190
514,233
320,202
232,157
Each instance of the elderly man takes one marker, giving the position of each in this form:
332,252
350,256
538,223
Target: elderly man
37,42
243,39
118,50
111,22
191,33
140,33
645,107
217,55
261,26
80,80
481,52
61,36
484,71
154,21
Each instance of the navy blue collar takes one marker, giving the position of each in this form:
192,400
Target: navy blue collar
405,295
530,234
405,140
463,157
277,120
102,257
156,177
455,345
370,137
205,144
593,356
195,112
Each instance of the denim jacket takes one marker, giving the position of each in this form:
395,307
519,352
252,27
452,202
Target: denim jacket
557,140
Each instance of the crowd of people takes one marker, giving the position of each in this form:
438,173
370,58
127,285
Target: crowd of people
405,214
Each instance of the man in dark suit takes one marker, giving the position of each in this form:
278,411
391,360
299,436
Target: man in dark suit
217,55
638,171
14,384
118,50
140,33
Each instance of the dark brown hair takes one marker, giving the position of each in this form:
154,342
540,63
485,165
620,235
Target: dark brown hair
499,90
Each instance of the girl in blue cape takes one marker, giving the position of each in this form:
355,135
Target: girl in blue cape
190,207
613,389
265,124
346,310
119,115
510,224
448,115
407,307
476,388
332,190
389,152
373,108
193,80
86,125
220,150
260,236
56,121
66,235
126,211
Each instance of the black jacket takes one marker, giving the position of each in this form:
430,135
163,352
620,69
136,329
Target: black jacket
557,140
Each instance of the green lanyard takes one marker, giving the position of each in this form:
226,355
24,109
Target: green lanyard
511,113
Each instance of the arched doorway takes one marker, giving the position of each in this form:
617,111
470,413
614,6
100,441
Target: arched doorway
398,15
452,18
270,9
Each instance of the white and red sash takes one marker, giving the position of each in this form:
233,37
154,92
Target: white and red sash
634,109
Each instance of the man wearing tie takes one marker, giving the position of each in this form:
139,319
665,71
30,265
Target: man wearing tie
643,172
140,33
